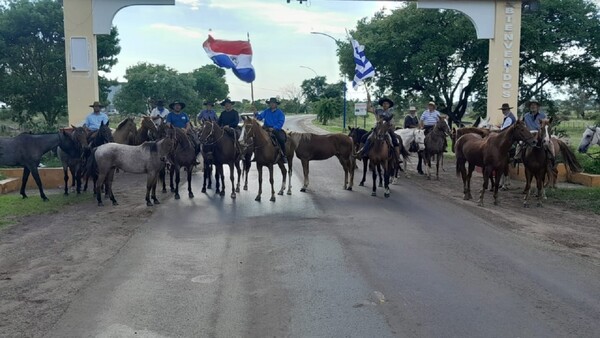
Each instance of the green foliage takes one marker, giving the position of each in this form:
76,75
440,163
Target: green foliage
210,83
581,199
327,109
317,88
14,207
32,60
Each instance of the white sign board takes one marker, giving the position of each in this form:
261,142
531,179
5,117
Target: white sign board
360,109
80,60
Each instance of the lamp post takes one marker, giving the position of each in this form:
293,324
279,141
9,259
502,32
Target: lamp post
337,43
316,75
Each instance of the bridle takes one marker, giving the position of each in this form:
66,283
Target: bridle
212,130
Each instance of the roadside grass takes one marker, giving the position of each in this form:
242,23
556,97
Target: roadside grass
335,125
579,198
14,207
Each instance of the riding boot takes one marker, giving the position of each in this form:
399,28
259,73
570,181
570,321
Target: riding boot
283,157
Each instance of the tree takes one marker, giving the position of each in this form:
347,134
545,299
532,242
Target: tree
210,83
108,48
32,59
148,81
313,88
327,109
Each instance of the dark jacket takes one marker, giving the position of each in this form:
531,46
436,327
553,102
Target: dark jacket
411,121
229,118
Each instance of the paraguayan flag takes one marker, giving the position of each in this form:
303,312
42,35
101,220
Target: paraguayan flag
364,69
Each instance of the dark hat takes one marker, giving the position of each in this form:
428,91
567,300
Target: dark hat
160,103
177,102
96,103
273,100
227,100
209,103
385,99
505,106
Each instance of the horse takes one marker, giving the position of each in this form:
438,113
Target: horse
225,151
126,132
266,154
359,137
313,147
146,132
410,136
379,154
590,137
71,157
95,139
27,150
490,153
183,155
537,163
149,157
457,133
435,146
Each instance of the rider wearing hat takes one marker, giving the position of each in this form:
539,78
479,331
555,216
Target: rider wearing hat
411,120
229,117
274,118
177,117
534,116
384,113
159,113
208,114
509,117
95,118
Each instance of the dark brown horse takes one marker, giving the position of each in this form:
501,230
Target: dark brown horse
72,158
435,145
457,133
126,132
224,152
490,153
359,137
379,155
95,139
183,156
265,154
313,147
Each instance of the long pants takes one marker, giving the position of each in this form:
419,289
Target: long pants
281,138
367,145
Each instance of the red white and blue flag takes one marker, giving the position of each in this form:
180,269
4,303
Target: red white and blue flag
236,55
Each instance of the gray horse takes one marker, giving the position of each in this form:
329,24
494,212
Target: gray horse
26,150
149,158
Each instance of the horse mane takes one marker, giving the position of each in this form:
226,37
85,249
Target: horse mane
122,123
182,138
297,137
150,146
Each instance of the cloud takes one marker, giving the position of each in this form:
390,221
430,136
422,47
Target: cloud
193,4
179,30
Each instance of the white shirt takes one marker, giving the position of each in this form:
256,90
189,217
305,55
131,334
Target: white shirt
156,112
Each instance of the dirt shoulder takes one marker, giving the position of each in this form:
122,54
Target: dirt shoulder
573,231
47,259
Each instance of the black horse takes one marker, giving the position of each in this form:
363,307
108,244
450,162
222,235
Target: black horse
26,150
359,137
95,139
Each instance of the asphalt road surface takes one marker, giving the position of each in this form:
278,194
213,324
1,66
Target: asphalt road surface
333,263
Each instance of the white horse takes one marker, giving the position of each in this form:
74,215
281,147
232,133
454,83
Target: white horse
591,136
408,136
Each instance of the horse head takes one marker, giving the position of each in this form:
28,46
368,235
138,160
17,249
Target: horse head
79,137
104,134
248,131
442,125
591,136
420,138
381,130
521,133
149,127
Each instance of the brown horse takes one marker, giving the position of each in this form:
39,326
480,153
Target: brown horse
146,132
379,155
72,157
126,132
265,154
359,137
225,151
313,147
435,146
457,133
183,155
490,153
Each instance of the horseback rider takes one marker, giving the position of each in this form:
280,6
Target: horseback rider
229,120
429,117
177,118
509,117
411,120
96,117
159,113
208,114
385,113
274,118
533,122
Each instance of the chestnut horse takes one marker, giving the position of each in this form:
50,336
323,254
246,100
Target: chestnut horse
265,154
435,146
359,137
313,147
379,154
490,153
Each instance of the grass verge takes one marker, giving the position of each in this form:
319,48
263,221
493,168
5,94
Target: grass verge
14,207
580,199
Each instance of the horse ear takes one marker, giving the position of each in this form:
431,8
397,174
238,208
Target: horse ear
72,126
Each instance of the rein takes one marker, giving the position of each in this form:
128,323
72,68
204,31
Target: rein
212,129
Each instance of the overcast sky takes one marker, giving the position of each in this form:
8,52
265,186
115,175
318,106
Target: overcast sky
279,33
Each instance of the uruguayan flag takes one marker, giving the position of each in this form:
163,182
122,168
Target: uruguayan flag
364,69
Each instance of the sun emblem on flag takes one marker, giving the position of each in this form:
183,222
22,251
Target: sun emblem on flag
234,59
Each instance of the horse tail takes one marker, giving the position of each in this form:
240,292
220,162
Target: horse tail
571,161
405,154
91,168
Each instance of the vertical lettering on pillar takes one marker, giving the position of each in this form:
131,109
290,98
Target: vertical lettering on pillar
508,54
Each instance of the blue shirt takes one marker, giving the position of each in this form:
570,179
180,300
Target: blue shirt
92,121
533,122
273,119
178,120
430,118
207,115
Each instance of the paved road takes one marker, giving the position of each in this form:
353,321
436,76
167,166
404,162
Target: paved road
333,263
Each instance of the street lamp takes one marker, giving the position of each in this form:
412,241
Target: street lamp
337,43
316,75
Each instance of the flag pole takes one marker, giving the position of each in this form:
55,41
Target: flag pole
251,83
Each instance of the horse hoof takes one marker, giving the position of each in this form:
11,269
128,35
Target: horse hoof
222,193
429,177
480,204
525,205
272,199
191,195
373,194
209,187
172,189
280,193
156,201
380,185
495,202
303,190
237,189
245,188
177,196
149,204
386,195
257,198
115,203
289,192
349,189
66,194
361,184
233,196
203,190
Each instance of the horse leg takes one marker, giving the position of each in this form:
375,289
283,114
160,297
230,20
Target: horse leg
284,177
540,186
272,183
437,166
154,183
163,177
374,192
386,179
77,178
38,181
305,170
217,180
205,176
486,177
98,187
108,185
427,163
189,180
221,174
66,178
496,186
469,175
365,163
289,172
232,179
148,190
239,176
177,178
259,168
380,176
350,165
